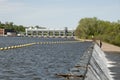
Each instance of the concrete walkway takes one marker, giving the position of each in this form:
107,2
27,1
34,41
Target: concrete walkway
110,48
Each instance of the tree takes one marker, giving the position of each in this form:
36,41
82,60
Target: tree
87,26
105,30
11,26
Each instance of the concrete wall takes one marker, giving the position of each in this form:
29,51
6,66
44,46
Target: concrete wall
97,67
92,66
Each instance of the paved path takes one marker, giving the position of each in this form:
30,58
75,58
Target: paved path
109,47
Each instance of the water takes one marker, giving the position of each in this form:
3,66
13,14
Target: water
39,62
10,41
114,64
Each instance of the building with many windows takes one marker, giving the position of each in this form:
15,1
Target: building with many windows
33,31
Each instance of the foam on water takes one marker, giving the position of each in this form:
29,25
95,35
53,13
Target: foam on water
109,65
110,62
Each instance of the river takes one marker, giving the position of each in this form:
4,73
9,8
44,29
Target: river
114,64
40,61
44,61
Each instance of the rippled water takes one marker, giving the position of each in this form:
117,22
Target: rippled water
8,41
38,62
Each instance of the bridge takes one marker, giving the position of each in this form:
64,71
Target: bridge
48,32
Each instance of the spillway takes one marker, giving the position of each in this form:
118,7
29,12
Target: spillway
97,66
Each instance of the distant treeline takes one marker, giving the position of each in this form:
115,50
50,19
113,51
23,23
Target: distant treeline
16,28
11,26
107,31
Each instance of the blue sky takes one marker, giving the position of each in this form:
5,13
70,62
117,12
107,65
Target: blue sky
57,14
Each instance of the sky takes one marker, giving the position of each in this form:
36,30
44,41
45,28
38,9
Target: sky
57,14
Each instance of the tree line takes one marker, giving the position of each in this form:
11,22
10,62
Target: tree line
16,28
99,29
12,26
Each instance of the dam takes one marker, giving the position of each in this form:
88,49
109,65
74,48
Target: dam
28,58
33,31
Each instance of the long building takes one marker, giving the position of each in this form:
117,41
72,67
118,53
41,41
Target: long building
30,31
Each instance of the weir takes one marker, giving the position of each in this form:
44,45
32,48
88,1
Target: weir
92,66
48,32
97,66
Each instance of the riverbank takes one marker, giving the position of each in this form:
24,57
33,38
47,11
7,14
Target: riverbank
106,47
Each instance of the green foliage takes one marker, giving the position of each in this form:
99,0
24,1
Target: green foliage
105,30
10,25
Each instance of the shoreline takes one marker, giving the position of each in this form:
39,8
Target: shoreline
106,47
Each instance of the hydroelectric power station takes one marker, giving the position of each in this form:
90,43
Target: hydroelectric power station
33,31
